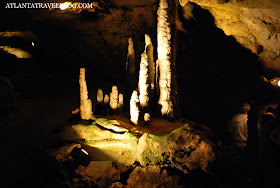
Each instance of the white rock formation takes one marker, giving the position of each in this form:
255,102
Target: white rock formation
143,81
130,66
164,58
134,108
106,99
99,96
120,103
85,103
114,98
151,64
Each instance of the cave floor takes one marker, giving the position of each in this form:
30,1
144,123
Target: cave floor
157,126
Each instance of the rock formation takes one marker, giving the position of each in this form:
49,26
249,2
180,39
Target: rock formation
85,103
106,99
120,103
147,118
254,24
143,81
134,108
149,49
99,96
187,148
164,58
130,65
99,99
114,98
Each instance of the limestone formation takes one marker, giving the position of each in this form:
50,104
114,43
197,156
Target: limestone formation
106,99
164,58
130,65
120,103
149,49
254,24
114,98
99,96
85,103
143,81
187,148
147,119
99,105
134,108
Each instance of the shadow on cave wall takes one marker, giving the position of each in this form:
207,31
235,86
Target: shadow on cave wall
215,73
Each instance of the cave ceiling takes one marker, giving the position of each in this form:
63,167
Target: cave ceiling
254,24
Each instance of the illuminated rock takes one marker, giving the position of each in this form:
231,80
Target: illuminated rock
114,98
143,81
85,103
151,64
147,118
99,96
120,103
99,105
164,58
134,108
102,172
130,65
187,148
106,99
151,176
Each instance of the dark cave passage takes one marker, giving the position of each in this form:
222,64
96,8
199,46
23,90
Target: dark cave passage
215,73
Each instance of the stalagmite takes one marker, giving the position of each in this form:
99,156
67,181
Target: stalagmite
143,81
134,108
99,96
147,119
106,99
114,98
120,103
85,103
150,54
130,65
164,58
99,105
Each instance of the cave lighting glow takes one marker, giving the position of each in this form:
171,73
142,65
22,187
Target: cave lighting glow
18,52
279,83
84,151
65,5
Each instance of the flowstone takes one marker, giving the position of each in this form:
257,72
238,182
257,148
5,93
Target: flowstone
186,148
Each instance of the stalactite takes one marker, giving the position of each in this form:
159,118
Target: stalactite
130,65
164,58
85,103
143,81
134,108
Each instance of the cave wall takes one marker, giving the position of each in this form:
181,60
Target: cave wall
254,24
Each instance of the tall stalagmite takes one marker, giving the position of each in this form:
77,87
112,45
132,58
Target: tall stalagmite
85,103
143,81
134,107
150,54
130,66
164,63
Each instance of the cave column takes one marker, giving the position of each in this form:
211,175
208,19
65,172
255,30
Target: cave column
85,103
165,57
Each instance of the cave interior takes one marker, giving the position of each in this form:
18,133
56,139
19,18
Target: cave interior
215,75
